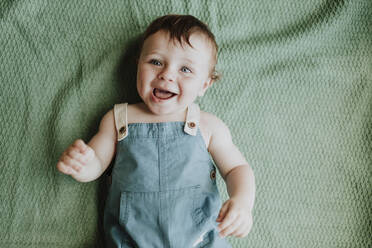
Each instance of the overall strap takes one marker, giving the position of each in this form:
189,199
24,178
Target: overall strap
121,120
192,119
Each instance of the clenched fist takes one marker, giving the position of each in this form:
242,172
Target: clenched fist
79,161
235,219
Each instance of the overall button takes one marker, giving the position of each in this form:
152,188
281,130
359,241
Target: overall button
213,174
123,130
191,124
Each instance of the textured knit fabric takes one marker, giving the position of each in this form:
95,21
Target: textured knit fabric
296,93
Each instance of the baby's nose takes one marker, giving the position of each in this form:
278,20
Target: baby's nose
167,74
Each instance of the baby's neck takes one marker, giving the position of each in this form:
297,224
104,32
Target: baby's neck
139,113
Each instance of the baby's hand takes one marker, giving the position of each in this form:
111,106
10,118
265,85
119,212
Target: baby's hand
236,219
75,160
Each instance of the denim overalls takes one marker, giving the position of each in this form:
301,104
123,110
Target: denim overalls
163,192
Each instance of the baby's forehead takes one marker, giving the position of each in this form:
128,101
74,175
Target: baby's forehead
195,40
187,40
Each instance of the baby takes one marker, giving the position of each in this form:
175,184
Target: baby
163,191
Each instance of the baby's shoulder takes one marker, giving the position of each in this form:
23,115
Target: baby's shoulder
107,124
213,124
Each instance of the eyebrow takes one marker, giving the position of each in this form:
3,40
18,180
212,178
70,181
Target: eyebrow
161,54
152,53
188,60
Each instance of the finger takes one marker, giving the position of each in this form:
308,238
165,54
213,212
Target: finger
85,149
89,152
247,226
80,145
64,168
63,154
241,230
228,219
71,149
222,212
230,229
73,163
74,154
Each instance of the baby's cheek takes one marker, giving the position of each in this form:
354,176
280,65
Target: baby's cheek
140,87
184,96
191,90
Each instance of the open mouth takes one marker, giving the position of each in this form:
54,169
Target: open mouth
163,94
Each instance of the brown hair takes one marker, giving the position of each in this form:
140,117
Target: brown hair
180,27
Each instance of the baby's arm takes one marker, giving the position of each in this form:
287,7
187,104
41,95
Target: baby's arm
236,213
86,162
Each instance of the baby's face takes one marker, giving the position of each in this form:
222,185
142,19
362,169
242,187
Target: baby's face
171,76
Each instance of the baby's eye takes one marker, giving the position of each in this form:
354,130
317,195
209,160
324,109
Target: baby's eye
155,62
185,69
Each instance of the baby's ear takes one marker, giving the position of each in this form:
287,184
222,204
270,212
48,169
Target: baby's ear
205,86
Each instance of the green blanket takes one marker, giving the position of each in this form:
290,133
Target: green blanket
296,93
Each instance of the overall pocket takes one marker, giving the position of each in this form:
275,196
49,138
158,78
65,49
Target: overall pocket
187,219
176,217
138,217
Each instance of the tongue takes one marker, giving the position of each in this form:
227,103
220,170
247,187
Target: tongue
162,94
